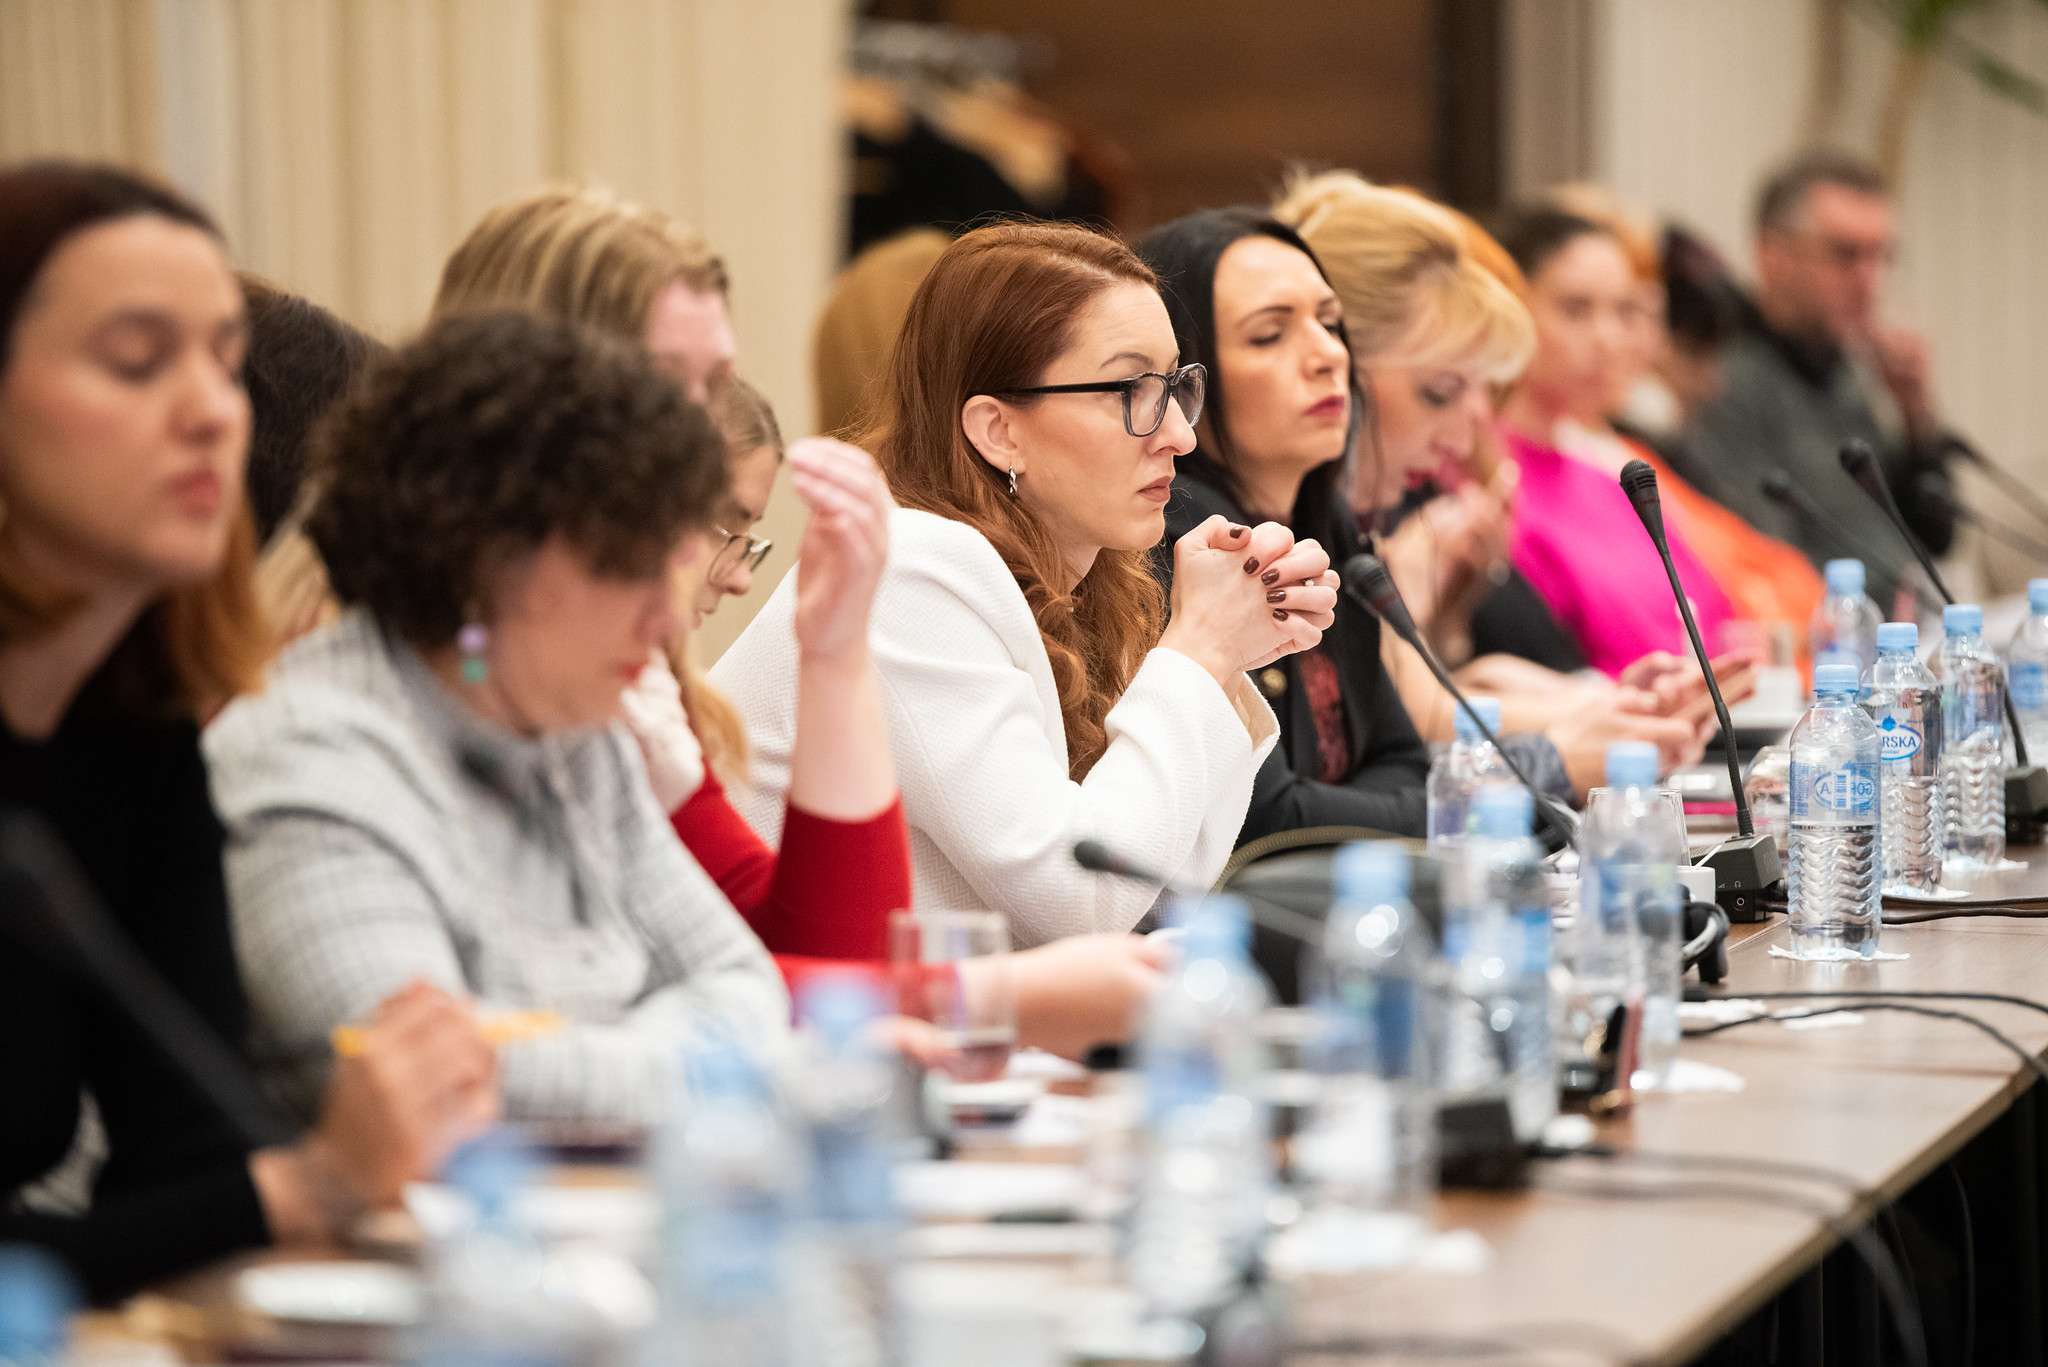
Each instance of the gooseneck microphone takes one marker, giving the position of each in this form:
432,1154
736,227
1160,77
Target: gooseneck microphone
49,910
1745,866
2026,784
1371,585
1781,489
1097,857
2015,488
1931,489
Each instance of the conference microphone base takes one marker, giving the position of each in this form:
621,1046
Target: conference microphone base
2026,803
1744,870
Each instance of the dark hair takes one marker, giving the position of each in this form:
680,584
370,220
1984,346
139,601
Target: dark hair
201,643
1533,233
301,359
1184,254
492,432
48,201
1704,306
1784,193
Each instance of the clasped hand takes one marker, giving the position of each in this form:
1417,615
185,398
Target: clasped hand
1245,596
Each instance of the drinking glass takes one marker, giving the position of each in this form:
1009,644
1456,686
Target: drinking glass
951,968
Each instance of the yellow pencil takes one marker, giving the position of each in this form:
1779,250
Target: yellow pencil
499,1027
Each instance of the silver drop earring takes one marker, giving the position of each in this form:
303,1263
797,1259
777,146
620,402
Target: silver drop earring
1013,481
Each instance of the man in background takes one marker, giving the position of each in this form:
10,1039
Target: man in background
1818,369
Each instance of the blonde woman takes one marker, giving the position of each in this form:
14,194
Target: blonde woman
1434,335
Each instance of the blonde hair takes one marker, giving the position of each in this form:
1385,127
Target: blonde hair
747,422
582,255
1411,290
859,326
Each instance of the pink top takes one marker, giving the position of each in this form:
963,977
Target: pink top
1577,539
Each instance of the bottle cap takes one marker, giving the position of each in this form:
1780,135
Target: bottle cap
1632,764
1489,712
1962,619
1504,810
1899,635
1845,577
1835,679
1371,871
1218,928
492,1169
838,1004
2037,595
37,1300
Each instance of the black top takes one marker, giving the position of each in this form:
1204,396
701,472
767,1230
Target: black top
129,798
1383,789
1514,620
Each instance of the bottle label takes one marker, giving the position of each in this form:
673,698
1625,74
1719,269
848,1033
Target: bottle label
1897,738
1851,789
2029,684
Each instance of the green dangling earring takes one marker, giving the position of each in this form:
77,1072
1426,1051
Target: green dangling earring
471,641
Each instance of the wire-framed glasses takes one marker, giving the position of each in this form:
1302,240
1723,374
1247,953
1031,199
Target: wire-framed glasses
739,549
1144,395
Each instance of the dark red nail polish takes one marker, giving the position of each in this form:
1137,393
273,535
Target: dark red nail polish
1251,566
1270,577
1279,614
1237,531
1277,596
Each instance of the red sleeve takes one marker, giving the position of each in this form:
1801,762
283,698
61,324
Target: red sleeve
827,895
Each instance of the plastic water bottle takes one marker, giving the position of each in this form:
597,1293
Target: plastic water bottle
1497,943
856,1105
728,1173
2026,671
1369,1150
497,1296
1837,862
1845,624
1973,745
1631,919
1904,701
37,1301
1469,763
1202,1190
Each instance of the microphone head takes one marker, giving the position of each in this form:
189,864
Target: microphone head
1778,488
1861,464
1367,579
1094,856
1639,482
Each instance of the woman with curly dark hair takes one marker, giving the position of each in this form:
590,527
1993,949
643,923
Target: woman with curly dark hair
434,787
126,615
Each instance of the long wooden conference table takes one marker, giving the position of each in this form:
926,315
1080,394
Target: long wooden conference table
1576,1274
1882,1101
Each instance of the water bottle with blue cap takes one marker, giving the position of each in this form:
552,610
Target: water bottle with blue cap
1369,1149
2026,669
1844,627
1973,746
37,1301
1470,762
1904,702
1836,868
1207,1173
1497,945
1626,939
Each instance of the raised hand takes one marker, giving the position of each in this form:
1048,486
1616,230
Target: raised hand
845,546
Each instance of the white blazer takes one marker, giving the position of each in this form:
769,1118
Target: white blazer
981,749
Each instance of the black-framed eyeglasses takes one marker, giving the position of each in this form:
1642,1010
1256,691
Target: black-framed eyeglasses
1145,396
740,549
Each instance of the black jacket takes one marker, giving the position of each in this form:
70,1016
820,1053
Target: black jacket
1383,790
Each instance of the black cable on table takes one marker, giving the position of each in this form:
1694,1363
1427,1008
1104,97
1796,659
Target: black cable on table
1883,1268
2040,1069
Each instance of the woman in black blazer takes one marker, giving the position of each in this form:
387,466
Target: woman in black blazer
1249,301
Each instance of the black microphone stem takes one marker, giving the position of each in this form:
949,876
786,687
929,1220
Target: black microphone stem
1544,803
1639,482
1860,463
2014,486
